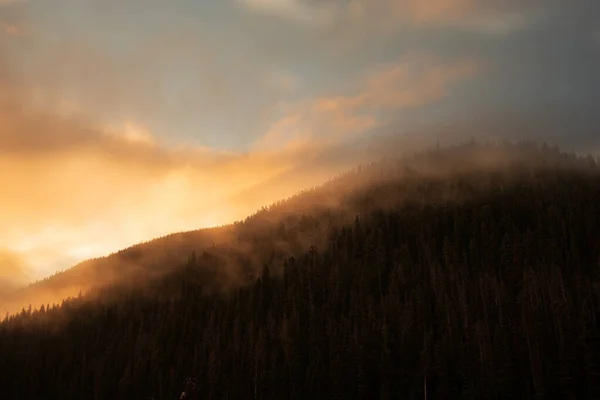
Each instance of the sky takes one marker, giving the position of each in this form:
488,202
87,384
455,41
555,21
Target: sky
121,121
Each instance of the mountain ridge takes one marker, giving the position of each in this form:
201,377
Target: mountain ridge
153,258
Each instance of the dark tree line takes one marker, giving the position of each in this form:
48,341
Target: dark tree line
483,285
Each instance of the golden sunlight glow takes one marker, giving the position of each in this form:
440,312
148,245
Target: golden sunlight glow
93,199
80,191
137,134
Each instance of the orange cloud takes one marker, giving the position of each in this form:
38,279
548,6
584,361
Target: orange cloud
282,80
300,11
414,81
433,10
12,268
76,188
484,16
73,190
12,23
489,16
13,30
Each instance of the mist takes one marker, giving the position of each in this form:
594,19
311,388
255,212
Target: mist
280,228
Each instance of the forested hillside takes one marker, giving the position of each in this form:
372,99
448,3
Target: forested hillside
471,272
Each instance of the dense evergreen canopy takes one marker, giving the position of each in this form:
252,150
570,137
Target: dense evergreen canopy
442,276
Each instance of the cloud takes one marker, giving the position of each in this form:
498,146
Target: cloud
12,22
13,273
484,16
80,189
415,80
283,81
76,190
12,29
297,10
490,16
12,267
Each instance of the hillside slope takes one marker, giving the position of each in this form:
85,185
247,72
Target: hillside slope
470,272
336,199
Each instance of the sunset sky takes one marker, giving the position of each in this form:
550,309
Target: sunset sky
124,120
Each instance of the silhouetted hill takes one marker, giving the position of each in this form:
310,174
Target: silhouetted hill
468,272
